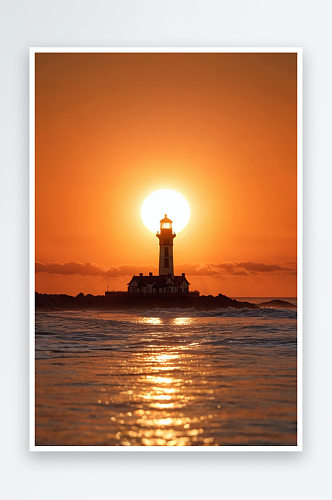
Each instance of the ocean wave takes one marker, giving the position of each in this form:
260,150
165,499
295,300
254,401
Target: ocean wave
230,312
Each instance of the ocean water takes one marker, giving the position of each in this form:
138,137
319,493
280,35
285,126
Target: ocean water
167,378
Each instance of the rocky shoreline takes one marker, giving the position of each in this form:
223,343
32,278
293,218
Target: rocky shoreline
122,302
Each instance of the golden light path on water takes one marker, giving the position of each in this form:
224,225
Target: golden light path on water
163,394
166,382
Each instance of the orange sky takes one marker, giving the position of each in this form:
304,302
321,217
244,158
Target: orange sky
218,128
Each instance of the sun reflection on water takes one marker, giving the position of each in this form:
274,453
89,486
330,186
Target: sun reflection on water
150,321
182,321
163,399
159,380
164,358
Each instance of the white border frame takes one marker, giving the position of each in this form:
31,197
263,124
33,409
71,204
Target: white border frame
299,52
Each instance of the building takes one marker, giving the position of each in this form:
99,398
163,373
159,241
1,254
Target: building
166,236
158,284
166,282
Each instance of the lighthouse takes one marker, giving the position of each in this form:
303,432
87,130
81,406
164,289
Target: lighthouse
166,236
165,283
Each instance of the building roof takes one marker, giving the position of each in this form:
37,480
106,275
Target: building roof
159,281
166,219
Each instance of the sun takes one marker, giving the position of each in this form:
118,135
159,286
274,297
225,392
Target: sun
166,201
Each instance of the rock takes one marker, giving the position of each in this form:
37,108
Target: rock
278,304
125,301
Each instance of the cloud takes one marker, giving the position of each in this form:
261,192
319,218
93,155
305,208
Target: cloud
204,269
238,268
89,269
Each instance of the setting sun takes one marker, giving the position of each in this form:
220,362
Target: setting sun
164,201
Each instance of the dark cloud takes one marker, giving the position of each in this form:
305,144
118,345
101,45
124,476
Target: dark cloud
88,269
237,268
205,269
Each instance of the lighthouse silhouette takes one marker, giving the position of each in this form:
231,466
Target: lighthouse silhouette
165,283
166,236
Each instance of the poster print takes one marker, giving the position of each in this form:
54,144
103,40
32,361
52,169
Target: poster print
165,293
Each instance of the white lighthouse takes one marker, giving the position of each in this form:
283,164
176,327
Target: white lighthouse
166,237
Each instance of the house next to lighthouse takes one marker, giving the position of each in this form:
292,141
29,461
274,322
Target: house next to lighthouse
166,282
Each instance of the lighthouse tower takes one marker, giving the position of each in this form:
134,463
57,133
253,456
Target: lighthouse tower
166,283
166,237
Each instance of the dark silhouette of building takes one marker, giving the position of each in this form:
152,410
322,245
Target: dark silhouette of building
158,284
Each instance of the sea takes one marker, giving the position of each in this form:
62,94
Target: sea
167,377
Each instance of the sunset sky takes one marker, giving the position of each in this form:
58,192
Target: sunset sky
218,128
